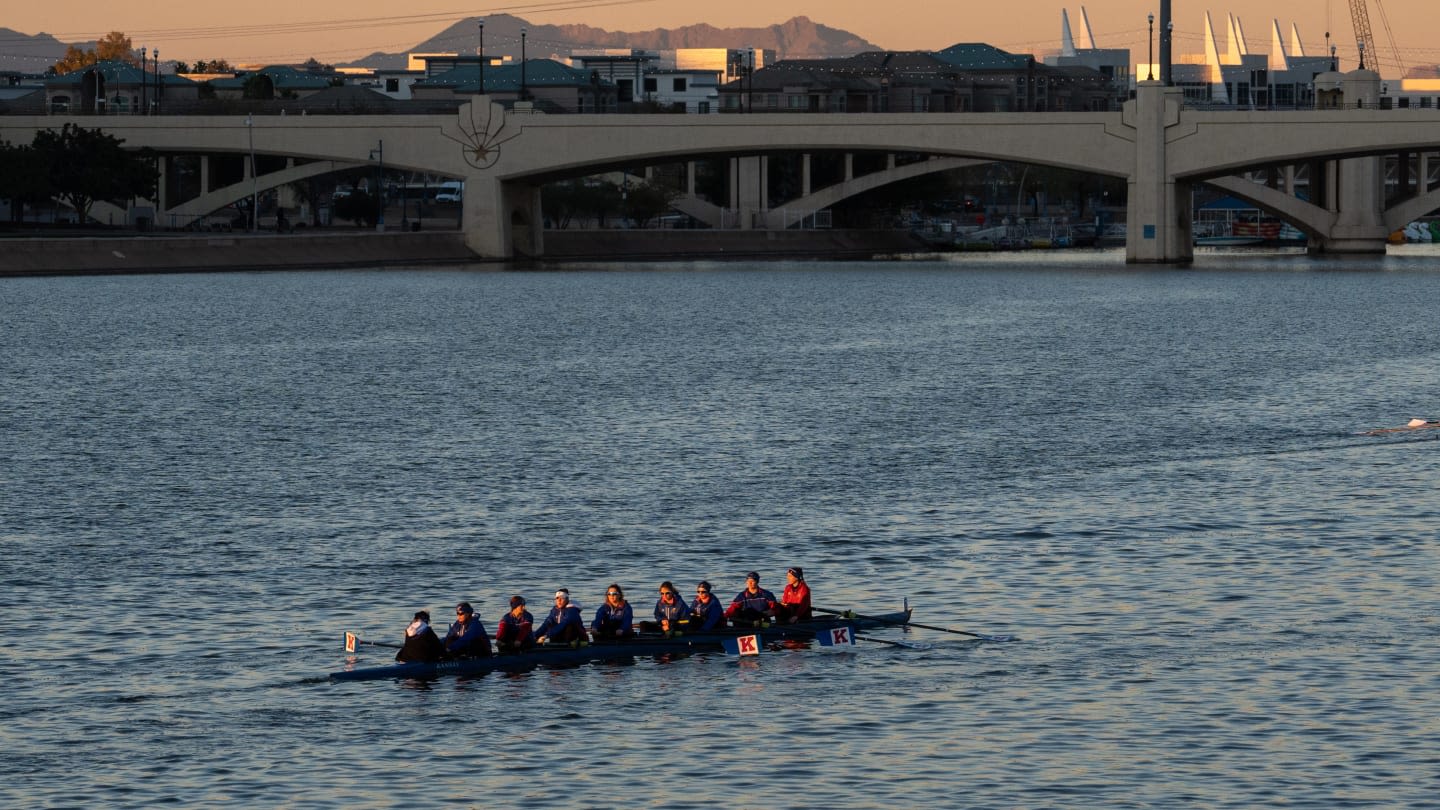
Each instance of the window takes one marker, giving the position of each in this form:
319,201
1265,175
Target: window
797,102
651,86
772,100
392,85
704,107
678,85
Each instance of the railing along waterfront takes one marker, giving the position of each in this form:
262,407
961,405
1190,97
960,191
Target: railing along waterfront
387,106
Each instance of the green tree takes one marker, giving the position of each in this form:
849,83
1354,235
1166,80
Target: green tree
259,86
358,207
561,202
213,66
646,201
24,177
86,165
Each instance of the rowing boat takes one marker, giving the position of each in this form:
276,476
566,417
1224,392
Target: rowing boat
1413,424
643,645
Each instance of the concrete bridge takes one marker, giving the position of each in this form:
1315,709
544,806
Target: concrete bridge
1157,145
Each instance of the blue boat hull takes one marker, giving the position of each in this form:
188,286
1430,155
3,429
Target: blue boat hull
641,647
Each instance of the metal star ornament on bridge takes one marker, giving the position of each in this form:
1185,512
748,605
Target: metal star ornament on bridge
480,142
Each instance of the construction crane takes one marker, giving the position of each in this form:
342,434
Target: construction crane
1365,38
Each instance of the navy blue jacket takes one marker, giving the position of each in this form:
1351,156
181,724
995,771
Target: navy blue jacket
467,639
621,616
559,619
673,611
708,616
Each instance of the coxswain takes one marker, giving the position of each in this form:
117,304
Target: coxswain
516,630
564,624
421,643
467,637
795,599
752,607
613,619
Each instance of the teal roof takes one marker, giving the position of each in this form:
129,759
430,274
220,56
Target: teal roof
506,78
283,77
979,56
113,72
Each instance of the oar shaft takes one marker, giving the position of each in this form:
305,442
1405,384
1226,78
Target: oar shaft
914,624
378,644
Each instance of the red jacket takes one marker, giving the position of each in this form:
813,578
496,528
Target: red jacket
797,598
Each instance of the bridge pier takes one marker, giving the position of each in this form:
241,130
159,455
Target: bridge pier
503,219
750,192
1158,224
1358,191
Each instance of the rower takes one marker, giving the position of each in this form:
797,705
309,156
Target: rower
795,599
670,610
516,629
705,612
564,623
467,637
613,619
752,607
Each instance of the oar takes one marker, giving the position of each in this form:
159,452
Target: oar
980,636
909,645
351,640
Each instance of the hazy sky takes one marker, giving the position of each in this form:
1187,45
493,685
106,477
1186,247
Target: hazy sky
338,30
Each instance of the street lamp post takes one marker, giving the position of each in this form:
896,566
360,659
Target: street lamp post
144,107
1150,63
481,54
158,85
1166,43
522,63
750,83
254,183
378,154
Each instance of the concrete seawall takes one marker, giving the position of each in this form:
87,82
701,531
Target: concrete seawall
163,254
48,256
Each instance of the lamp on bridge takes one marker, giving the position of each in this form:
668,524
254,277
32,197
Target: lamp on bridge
254,184
158,86
143,75
1150,61
1168,37
481,54
522,63
378,154
750,89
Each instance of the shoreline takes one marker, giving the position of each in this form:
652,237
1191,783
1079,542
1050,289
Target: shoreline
49,255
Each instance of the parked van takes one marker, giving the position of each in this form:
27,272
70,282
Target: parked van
452,191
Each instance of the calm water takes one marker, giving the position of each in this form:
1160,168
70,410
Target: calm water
1227,598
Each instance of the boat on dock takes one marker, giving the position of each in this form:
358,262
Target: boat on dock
644,645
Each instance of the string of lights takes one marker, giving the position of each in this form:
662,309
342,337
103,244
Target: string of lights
462,42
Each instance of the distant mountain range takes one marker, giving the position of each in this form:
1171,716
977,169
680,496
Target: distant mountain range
799,37
29,54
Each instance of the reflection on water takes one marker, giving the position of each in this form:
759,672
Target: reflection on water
1153,477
